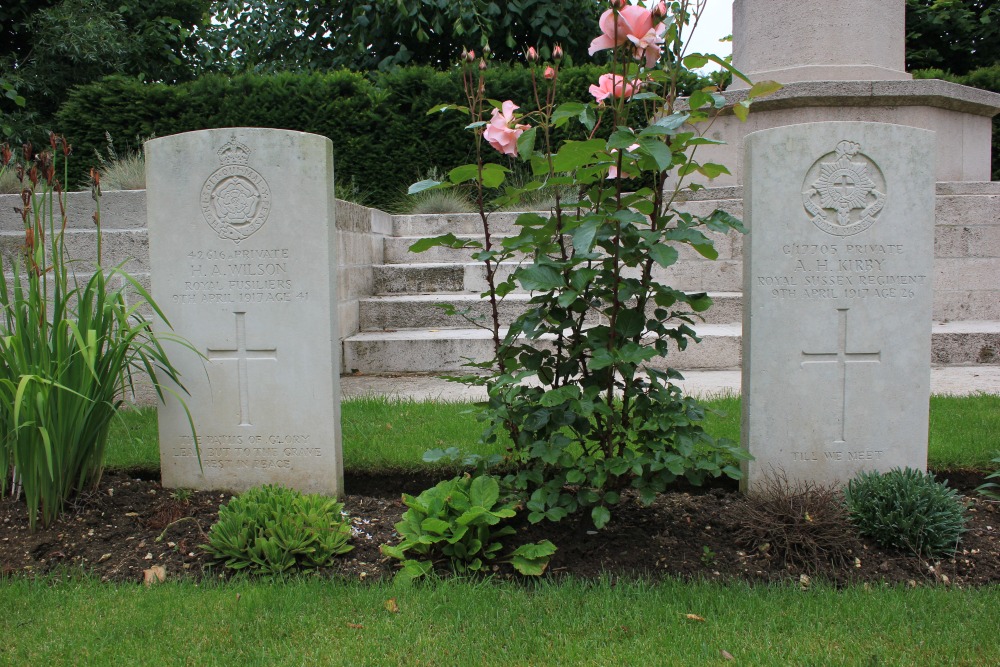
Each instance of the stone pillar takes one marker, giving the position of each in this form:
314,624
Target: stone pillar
819,40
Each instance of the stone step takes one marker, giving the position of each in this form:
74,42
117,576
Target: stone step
689,275
421,311
436,224
427,351
397,249
430,351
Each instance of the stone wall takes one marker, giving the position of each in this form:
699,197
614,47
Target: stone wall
360,233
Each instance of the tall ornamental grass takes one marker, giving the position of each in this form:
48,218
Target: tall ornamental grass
68,351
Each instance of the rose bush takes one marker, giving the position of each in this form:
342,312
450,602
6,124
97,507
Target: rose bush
581,379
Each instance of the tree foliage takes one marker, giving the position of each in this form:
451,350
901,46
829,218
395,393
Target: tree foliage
49,46
953,35
265,35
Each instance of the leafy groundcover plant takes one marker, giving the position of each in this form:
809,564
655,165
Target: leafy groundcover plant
68,349
458,521
580,379
273,530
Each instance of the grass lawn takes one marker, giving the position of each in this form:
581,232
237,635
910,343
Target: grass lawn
390,434
307,621
310,622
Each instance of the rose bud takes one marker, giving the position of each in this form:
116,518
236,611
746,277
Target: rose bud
550,73
532,55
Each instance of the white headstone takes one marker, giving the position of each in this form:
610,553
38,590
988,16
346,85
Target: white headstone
837,288
243,262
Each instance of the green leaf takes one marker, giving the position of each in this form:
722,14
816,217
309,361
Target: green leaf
699,99
540,277
412,570
728,66
435,526
762,88
493,175
742,110
706,250
566,111
658,150
630,322
526,143
674,121
663,254
576,154
601,358
420,186
532,559
700,302
484,491
583,236
695,61
440,108
601,515
621,138
467,172
712,170
447,240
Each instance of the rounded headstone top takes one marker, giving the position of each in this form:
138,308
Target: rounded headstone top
820,40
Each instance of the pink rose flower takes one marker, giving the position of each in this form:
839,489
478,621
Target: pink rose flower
502,131
613,85
550,73
633,24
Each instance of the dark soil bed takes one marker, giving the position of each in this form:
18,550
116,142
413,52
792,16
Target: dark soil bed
132,523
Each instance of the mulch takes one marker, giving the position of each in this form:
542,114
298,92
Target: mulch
131,523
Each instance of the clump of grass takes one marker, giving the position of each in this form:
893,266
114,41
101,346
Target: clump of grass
122,171
529,198
9,182
452,200
804,525
441,201
348,190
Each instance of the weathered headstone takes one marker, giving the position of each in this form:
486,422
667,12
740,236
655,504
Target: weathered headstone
837,288
243,262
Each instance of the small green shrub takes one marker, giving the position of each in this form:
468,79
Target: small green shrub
906,509
272,529
992,489
457,520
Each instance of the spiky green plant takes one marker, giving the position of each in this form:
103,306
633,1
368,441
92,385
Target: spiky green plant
907,509
68,350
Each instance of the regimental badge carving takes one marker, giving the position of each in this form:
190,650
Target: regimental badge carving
235,199
844,191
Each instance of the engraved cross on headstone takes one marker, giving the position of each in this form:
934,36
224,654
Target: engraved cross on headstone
844,186
241,354
841,357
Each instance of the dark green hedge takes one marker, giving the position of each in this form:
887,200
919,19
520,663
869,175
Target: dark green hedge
381,134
